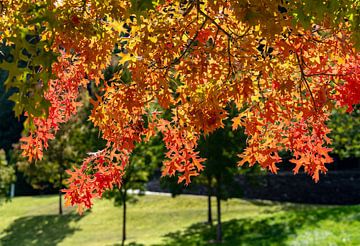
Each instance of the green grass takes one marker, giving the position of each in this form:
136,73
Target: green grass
161,220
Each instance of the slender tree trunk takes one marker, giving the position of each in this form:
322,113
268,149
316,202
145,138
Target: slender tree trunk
60,195
124,217
60,202
218,205
219,226
210,221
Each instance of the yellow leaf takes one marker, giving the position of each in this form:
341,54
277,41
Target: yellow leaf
118,26
153,39
126,57
340,61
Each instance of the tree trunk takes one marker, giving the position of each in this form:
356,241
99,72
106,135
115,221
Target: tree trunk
219,227
124,217
218,205
210,221
209,210
60,195
60,202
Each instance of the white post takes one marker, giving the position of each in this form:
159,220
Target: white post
12,190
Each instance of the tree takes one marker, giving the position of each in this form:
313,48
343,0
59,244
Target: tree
7,175
289,62
221,169
143,162
220,149
50,171
219,176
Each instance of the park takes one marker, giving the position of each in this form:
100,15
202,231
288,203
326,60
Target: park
179,122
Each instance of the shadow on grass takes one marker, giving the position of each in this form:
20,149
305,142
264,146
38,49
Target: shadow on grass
274,229
129,244
235,232
43,230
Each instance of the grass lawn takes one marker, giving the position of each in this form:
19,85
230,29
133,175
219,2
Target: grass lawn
162,220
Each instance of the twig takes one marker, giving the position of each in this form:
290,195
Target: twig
231,71
186,48
304,80
214,22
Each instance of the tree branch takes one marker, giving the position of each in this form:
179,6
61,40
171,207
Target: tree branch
214,22
188,46
304,80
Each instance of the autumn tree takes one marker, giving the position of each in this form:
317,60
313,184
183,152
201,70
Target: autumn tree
289,62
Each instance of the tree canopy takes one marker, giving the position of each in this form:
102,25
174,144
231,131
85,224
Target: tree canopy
284,65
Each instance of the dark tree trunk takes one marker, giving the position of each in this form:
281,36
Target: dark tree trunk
7,156
219,226
60,202
210,221
60,195
124,217
218,205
